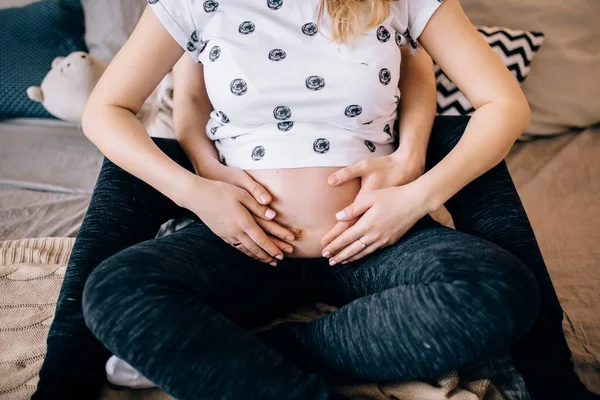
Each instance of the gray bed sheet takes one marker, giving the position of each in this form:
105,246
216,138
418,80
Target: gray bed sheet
47,172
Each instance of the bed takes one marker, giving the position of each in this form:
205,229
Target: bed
48,169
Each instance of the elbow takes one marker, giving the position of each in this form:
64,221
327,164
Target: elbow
521,112
526,113
87,120
517,109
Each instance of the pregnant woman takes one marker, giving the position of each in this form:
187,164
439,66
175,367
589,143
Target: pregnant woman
295,91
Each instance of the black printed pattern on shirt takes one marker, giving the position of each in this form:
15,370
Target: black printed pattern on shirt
274,4
277,55
224,118
385,76
387,129
191,44
310,29
370,146
407,35
215,53
285,126
258,152
321,146
399,38
282,113
383,35
247,27
353,111
315,82
210,6
238,87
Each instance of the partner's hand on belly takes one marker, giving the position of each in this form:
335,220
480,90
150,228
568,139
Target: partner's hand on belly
383,216
231,213
212,169
303,199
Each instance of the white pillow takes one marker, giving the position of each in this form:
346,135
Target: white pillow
108,24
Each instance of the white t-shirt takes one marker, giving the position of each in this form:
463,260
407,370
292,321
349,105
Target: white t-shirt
284,94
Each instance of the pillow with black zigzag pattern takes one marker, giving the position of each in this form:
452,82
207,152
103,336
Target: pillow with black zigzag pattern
516,48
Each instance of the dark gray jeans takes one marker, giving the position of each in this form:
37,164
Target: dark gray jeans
179,308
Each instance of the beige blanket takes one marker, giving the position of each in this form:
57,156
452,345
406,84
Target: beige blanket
31,272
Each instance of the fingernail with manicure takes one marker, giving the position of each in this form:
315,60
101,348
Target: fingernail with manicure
332,263
273,263
345,262
290,237
279,257
326,254
341,215
270,213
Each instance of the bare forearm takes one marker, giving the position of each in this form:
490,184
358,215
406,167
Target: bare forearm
417,102
490,133
121,137
190,121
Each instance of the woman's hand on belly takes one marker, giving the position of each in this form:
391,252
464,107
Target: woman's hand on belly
304,200
384,215
397,169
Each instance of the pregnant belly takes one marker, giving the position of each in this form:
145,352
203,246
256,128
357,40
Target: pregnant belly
304,200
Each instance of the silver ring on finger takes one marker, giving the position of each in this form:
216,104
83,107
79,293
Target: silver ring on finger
362,244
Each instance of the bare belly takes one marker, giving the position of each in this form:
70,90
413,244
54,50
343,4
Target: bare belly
303,199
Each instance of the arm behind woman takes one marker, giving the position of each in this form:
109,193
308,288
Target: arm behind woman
191,112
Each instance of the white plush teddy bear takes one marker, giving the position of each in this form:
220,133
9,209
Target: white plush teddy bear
66,88
68,85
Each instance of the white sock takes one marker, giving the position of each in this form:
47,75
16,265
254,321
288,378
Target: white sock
119,373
